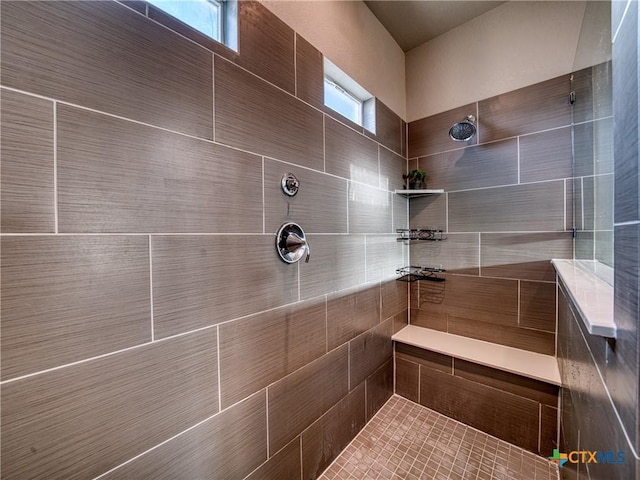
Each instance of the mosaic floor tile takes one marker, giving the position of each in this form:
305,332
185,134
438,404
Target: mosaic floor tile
407,441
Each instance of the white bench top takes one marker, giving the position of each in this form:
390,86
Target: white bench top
514,360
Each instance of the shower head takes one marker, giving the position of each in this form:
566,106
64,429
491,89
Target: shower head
464,130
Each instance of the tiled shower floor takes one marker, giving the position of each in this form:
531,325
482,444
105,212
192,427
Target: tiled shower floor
405,440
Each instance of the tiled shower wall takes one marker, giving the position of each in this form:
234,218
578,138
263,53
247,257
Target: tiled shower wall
506,212
148,328
601,376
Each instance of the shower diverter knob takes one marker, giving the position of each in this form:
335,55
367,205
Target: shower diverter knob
291,243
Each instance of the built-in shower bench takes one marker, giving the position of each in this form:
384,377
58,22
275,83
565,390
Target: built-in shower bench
513,360
506,392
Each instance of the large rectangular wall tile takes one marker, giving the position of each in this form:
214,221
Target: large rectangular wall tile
622,357
266,45
255,116
538,305
541,106
603,202
428,319
350,154
26,148
143,72
593,147
197,283
352,312
407,376
459,253
626,52
325,439
261,349
546,155
596,418
524,338
503,415
369,209
392,167
337,262
477,166
69,298
429,211
488,299
548,430
388,128
400,212
604,247
379,388
431,134
298,400
120,176
426,358
320,206
369,351
524,387
384,256
531,207
400,320
309,73
82,420
284,464
523,255
394,298
229,445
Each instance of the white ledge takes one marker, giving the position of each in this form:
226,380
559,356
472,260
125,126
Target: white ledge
418,193
513,360
592,297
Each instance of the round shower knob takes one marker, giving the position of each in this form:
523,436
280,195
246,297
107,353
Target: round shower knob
291,243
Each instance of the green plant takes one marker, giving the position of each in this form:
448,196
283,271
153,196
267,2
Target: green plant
415,175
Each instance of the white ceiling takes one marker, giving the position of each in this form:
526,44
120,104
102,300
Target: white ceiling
411,23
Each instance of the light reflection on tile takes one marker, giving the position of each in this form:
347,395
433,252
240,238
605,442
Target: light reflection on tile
405,440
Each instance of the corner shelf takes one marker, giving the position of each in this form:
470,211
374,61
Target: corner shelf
419,193
413,274
420,234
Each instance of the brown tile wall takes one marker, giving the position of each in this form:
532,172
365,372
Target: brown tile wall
149,330
519,410
505,213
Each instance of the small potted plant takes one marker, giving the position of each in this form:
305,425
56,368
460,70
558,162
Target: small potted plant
416,179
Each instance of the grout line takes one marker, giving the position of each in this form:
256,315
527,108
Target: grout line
301,459
519,301
213,96
266,397
446,212
219,370
55,167
557,319
349,366
295,64
299,294
153,337
324,143
326,323
264,214
539,425
582,203
518,150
